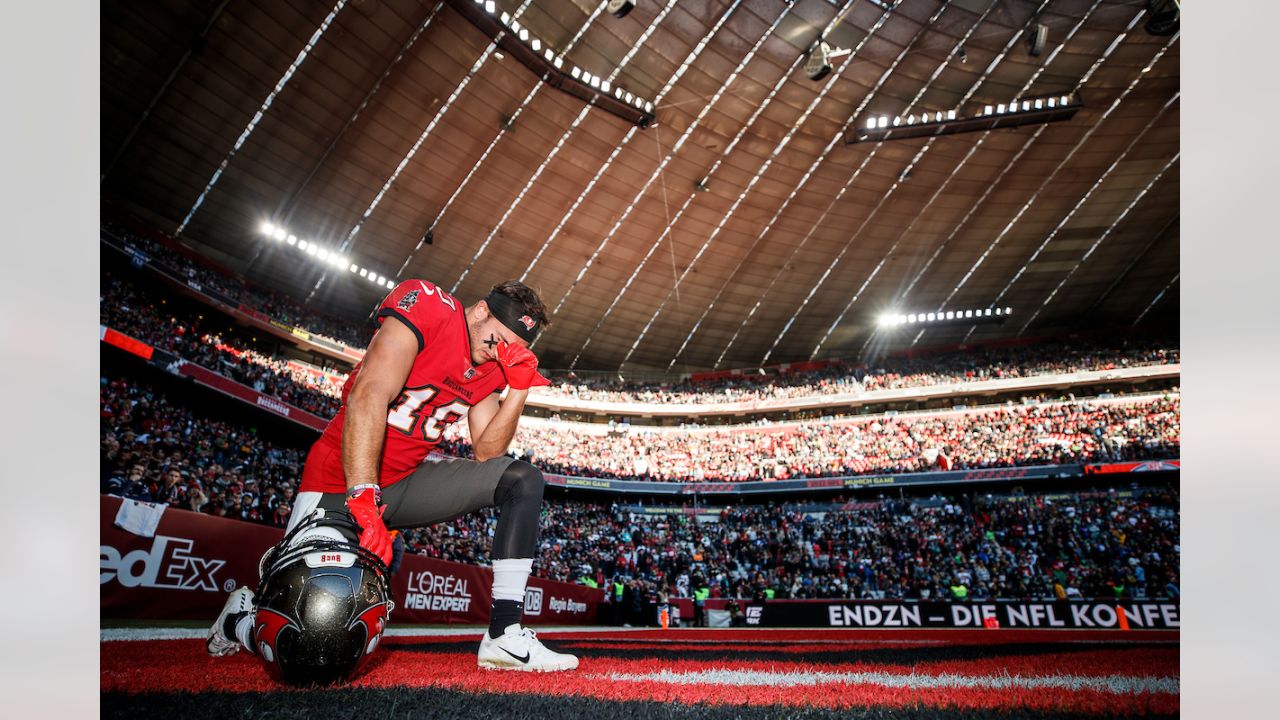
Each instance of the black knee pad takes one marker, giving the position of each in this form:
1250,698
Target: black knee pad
519,500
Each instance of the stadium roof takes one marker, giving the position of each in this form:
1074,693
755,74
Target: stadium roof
739,228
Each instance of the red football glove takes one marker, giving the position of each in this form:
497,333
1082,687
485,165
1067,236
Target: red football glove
520,366
368,515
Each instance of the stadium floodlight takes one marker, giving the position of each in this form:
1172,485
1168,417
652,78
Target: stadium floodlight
302,244
1000,108
382,280
988,312
605,86
576,72
997,311
968,313
871,123
506,18
311,249
648,106
323,254
267,229
549,55
1008,311
364,272
911,318
354,267
490,7
558,62
951,114
884,121
280,233
516,28
931,317
292,238
536,44
951,315
1039,103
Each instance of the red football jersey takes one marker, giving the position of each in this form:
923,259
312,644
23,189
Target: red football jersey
441,388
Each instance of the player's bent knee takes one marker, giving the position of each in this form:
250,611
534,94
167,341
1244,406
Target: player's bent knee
521,483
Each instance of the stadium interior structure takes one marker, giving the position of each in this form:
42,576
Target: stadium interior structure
863,304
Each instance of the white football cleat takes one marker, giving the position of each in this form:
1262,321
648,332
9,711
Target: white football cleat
218,644
518,648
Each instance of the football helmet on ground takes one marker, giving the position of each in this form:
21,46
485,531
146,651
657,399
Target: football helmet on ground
322,602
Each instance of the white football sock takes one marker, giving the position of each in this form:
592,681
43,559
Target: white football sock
244,632
510,577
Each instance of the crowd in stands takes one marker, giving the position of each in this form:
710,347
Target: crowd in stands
1090,545
1005,436
158,450
1013,362
317,394
132,310
887,373
273,304
1049,433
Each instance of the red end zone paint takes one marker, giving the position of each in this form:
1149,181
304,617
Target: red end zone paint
1119,679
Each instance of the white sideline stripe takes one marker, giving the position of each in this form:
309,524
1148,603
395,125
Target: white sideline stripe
1115,684
116,634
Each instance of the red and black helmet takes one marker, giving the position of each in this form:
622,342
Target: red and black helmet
322,602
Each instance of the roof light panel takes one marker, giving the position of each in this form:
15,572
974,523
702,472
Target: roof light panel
675,77
582,115
262,110
671,153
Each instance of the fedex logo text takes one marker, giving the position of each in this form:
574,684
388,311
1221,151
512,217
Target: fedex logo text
167,564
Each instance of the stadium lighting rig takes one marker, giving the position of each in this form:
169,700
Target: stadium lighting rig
314,250
518,42
946,317
1026,111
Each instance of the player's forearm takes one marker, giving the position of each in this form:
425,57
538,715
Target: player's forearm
363,432
496,438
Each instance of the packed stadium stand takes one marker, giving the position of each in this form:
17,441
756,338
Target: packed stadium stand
132,304
1093,544
1116,542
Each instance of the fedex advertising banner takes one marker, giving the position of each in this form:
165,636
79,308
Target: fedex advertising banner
186,570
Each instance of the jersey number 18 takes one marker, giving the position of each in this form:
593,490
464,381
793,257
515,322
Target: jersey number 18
408,410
